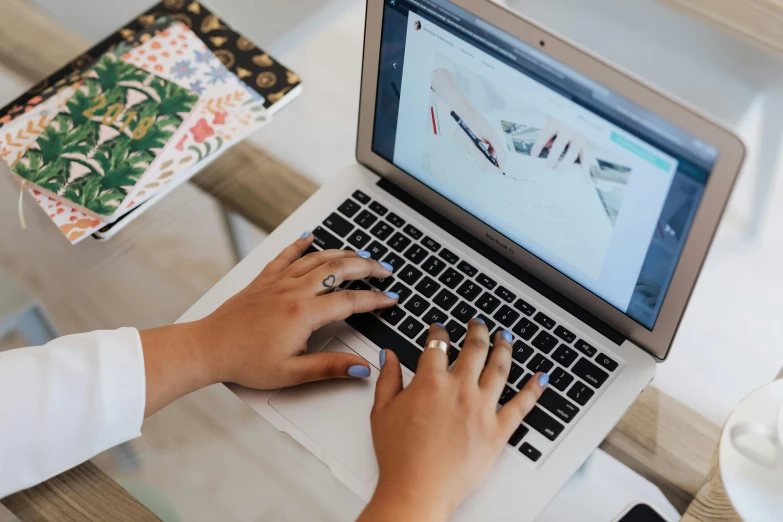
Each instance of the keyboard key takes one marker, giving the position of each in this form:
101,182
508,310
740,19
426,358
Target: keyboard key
505,294
524,307
377,250
427,287
488,303
416,254
445,299
403,291
469,290
530,452
359,285
416,305
486,282
410,327
359,238
435,315
564,334
382,284
412,231
395,261
365,219
451,278
506,316
590,373
464,312
349,208
399,242
580,393
544,321
518,434
361,196
467,268
422,339
544,342
311,250
565,356
556,404
433,266
585,348
606,362
543,423
521,352
490,324
395,220
560,379
410,274
430,243
325,240
539,363
521,384
448,255
507,394
378,208
384,336
393,315
525,329
382,230
515,373
453,354
456,330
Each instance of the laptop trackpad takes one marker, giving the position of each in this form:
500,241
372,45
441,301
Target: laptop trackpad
336,416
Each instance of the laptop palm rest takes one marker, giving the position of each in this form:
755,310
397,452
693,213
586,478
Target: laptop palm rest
336,416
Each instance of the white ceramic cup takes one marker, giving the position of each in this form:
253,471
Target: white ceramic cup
761,442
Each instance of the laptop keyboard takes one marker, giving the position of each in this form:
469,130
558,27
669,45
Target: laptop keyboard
437,285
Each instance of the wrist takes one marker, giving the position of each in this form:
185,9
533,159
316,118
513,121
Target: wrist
409,504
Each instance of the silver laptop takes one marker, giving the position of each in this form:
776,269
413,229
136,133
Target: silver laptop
506,174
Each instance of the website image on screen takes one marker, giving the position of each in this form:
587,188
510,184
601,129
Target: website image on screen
580,192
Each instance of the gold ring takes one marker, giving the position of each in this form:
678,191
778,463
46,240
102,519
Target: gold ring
438,345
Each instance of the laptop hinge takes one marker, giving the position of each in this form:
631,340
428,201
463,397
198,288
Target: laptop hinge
504,263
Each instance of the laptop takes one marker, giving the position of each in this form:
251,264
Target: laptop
506,174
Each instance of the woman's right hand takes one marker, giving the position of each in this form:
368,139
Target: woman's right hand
437,439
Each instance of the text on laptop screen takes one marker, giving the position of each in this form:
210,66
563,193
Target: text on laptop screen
597,187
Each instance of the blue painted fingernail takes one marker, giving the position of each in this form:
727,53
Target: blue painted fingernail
357,370
387,266
393,295
363,253
305,234
382,358
441,325
543,379
506,335
480,320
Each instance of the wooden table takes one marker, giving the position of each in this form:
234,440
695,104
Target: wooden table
658,437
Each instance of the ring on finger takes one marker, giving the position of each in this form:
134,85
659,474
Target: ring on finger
438,345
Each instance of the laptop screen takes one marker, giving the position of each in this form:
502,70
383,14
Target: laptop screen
597,187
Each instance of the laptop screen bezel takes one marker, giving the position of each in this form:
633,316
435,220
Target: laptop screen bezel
717,190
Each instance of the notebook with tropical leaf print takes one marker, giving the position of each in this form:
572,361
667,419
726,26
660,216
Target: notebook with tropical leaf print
96,150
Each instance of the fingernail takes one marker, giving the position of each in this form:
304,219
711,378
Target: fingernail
363,253
357,370
480,320
393,295
506,335
543,379
305,234
382,358
441,325
387,266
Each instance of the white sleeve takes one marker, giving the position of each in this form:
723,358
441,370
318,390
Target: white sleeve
66,401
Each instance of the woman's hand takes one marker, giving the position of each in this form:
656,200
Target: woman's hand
557,136
437,439
258,338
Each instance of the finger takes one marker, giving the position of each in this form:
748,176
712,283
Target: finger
510,416
289,254
390,381
574,148
306,264
561,142
331,274
549,132
588,160
474,351
465,143
339,305
433,359
326,365
495,374
501,155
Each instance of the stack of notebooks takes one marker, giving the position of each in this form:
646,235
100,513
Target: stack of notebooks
140,113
